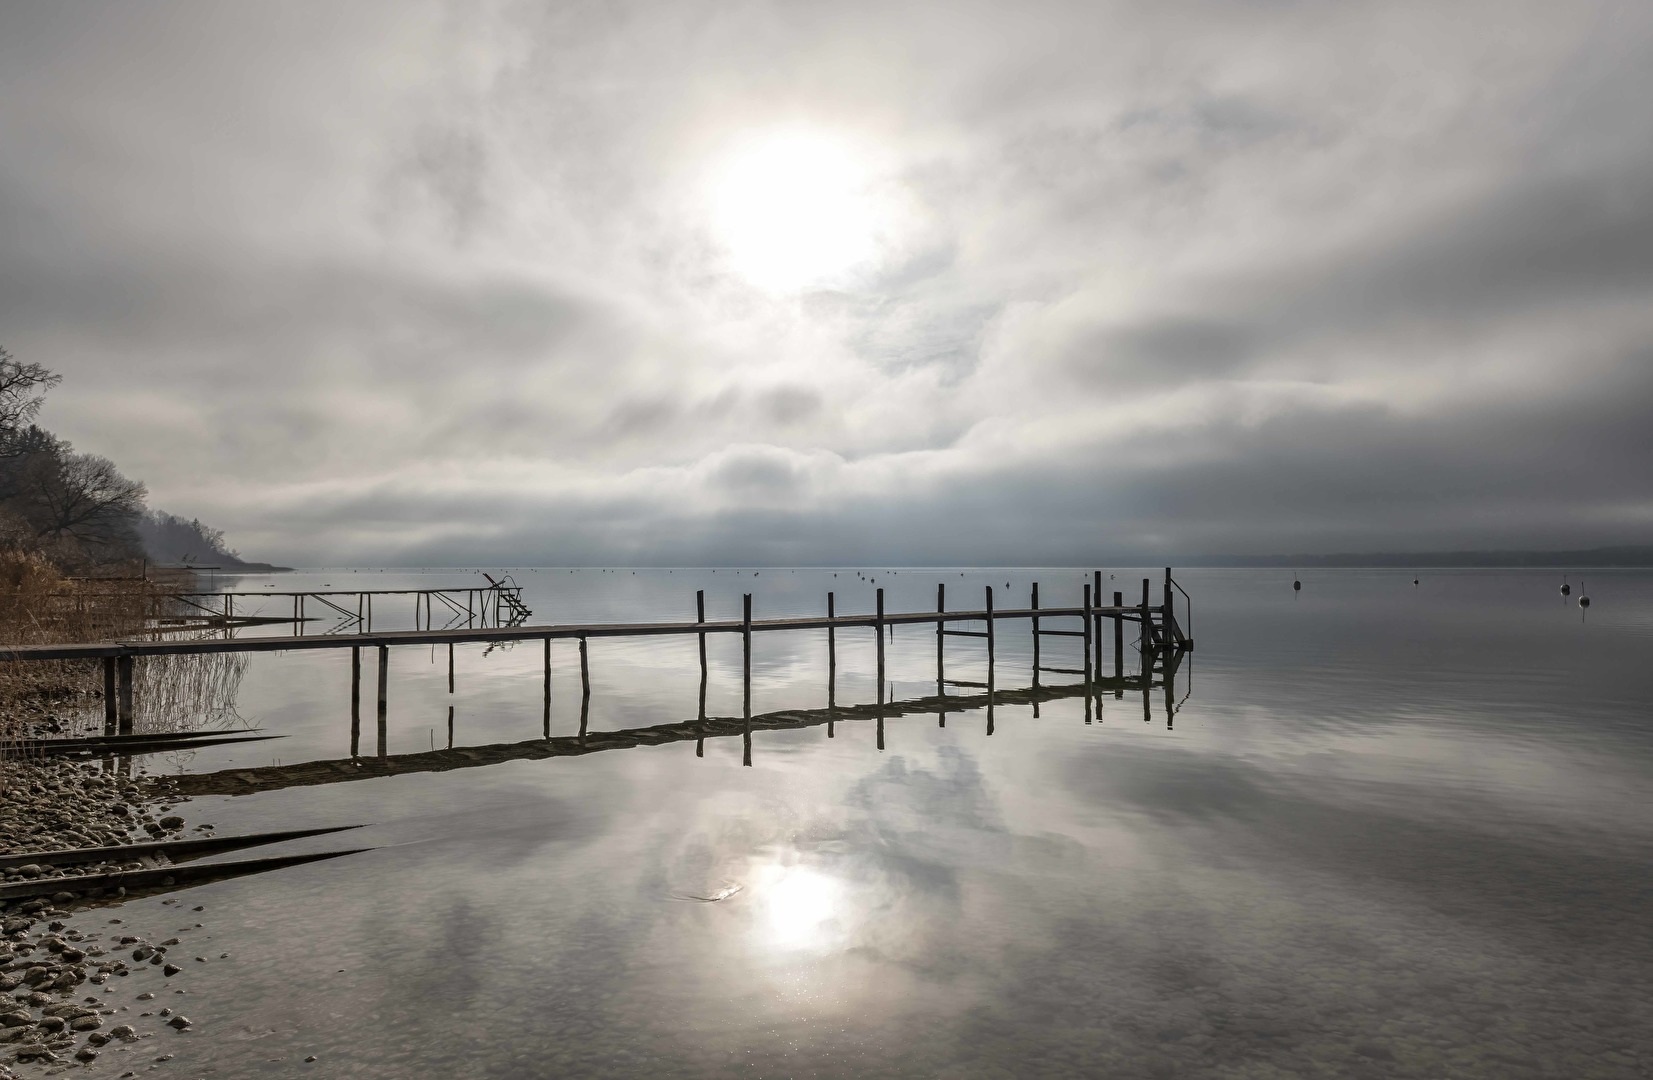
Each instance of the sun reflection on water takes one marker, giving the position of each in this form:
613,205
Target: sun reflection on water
801,907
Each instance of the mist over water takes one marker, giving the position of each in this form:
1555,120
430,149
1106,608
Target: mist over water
1392,830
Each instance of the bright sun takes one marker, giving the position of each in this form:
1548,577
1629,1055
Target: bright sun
794,210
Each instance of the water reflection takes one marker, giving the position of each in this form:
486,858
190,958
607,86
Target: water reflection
1396,832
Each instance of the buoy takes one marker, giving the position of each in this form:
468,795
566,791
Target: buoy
1296,586
1583,600
1566,589
1414,582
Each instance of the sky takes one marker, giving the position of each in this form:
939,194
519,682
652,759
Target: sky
566,283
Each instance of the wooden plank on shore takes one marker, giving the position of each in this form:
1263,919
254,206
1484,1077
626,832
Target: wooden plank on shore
175,850
162,876
121,740
139,745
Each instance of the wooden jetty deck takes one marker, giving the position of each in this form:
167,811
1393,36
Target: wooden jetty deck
499,603
1158,627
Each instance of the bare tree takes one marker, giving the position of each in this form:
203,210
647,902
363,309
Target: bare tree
85,499
22,387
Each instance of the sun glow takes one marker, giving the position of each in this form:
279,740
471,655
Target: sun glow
794,210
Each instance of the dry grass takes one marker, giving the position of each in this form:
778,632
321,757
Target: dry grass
39,605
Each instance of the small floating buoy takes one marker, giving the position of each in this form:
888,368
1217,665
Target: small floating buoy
1414,582
1583,600
1566,589
1296,586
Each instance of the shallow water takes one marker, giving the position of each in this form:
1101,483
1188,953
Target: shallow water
1391,831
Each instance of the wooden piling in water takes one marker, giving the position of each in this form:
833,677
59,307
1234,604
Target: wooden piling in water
355,700
832,664
1147,620
123,695
384,698
746,676
111,711
1118,636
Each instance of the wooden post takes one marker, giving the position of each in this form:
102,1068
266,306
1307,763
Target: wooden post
585,670
1167,618
1118,636
1096,620
746,677
369,612
1147,620
111,713
746,652
700,617
123,694
1035,649
941,651
545,693
878,625
355,700
1090,626
296,620
547,665
470,606
990,640
832,663
450,728
384,686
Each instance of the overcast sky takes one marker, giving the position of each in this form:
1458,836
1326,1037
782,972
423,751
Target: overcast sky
691,282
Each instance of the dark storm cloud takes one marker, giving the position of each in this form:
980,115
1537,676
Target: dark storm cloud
425,283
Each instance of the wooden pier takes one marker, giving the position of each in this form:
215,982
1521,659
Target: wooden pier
1159,632
497,604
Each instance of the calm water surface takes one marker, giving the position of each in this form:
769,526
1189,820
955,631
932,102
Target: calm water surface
1393,831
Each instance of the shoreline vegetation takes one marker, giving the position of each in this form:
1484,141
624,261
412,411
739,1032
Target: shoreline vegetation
79,555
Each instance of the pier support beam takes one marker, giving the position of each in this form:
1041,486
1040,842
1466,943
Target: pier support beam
990,664
1118,636
111,714
355,700
384,701
123,694
746,677
832,665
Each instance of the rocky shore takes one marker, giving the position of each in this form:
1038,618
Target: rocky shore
60,962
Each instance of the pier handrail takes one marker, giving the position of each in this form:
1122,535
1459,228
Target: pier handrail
1188,607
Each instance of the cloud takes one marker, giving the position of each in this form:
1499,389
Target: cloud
417,283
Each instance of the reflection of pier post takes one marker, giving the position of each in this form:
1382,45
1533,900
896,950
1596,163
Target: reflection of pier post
832,664
545,694
384,683
450,728
355,700
1090,627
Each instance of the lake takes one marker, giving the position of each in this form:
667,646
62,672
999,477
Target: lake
1392,830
